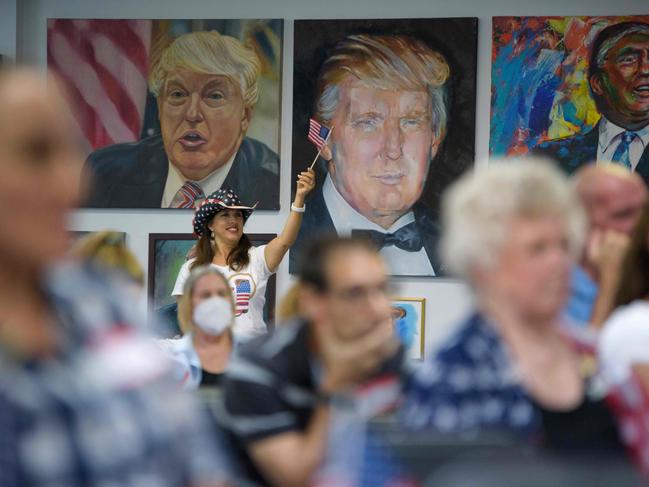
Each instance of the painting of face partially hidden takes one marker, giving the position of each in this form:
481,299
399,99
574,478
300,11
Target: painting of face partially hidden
172,110
167,253
409,324
398,97
574,89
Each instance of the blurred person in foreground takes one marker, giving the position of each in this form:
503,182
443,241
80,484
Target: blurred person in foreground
84,399
613,198
623,345
624,341
280,389
206,316
513,366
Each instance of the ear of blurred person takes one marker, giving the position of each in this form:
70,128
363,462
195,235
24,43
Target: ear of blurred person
613,198
342,343
81,388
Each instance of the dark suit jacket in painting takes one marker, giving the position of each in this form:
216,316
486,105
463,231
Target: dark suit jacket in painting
573,152
317,222
133,175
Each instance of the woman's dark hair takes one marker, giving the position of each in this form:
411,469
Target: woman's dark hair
634,277
237,260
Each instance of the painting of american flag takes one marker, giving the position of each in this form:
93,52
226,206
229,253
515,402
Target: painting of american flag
243,292
104,65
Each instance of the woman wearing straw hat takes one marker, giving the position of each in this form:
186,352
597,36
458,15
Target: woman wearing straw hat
218,223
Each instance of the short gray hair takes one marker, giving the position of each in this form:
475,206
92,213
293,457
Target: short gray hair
477,209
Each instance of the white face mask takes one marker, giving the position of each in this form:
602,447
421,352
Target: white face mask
214,315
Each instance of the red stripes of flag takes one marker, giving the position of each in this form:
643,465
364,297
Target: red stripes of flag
243,291
318,133
104,64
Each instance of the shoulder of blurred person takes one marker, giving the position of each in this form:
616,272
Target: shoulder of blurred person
469,384
187,364
133,174
277,352
108,362
624,340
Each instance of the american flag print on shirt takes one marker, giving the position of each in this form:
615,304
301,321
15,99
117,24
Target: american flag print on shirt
243,293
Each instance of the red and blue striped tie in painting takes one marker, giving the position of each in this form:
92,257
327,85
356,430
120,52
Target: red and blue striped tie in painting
187,195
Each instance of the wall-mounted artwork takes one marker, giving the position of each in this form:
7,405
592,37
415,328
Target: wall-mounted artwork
409,324
398,99
171,110
575,89
168,252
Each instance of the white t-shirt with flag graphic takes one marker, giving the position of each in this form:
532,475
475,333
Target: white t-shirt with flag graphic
249,290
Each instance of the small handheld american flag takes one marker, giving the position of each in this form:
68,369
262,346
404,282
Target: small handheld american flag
318,134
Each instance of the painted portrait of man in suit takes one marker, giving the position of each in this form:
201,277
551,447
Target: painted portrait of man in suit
575,89
618,75
204,87
385,98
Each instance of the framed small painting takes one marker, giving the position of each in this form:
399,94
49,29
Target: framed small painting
409,324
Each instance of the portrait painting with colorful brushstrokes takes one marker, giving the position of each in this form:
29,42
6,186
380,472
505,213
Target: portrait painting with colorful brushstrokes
171,110
571,88
384,110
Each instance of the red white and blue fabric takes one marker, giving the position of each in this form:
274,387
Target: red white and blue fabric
318,133
106,410
187,195
243,290
630,403
104,65
219,200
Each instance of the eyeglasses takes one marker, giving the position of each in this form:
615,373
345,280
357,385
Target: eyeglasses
359,294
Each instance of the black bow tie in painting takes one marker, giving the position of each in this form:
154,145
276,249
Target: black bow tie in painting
406,238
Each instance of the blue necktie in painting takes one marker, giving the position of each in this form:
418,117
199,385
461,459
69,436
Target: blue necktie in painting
621,155
406,238
187,195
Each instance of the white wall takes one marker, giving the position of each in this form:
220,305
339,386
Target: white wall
8,30
446,300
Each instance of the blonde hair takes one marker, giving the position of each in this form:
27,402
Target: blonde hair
477,209
385,62
289,305
185,308
107,248
210,53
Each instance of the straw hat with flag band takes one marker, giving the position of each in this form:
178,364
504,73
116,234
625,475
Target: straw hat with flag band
222,199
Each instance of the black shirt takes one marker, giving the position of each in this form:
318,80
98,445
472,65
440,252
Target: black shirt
271,388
